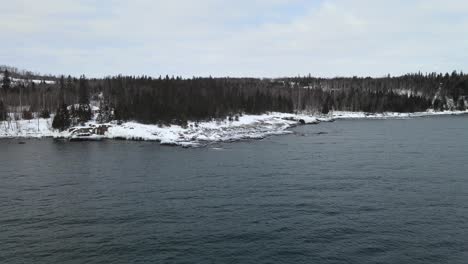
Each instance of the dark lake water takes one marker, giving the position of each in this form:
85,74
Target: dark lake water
362,191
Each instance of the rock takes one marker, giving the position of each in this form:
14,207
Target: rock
302,121
101,130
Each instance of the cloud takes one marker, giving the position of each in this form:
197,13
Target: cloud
235,38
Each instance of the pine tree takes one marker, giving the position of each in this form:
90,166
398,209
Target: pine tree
62,118
83,91
62,90
461,104
3,112
6,82
83,113
105,112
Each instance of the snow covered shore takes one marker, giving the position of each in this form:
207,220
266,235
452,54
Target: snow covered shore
195,134
392,115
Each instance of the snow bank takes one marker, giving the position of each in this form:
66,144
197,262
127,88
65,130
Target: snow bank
392,115
202,133
35,128
196,133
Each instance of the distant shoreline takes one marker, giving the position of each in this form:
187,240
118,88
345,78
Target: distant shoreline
196,133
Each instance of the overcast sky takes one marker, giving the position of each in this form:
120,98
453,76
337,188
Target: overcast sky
259,38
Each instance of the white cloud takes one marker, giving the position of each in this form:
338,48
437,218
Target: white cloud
236,38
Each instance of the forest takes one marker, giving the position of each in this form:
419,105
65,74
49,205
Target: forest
176,100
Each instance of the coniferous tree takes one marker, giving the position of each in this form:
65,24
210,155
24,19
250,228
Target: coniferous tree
62,90
105,113
62,118
6,81
83,113
3,111
83,91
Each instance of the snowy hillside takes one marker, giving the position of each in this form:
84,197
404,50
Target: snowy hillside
16,81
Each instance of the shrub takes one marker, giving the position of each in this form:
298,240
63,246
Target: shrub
27,115
45,113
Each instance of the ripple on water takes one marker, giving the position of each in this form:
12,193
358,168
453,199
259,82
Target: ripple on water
366,192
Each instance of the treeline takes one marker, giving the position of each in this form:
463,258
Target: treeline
172,100
177,100
24,74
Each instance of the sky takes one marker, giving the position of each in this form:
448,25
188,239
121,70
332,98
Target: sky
242,38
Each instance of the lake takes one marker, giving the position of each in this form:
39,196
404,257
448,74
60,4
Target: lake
352,191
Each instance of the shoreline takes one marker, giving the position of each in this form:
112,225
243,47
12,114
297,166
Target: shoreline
196,134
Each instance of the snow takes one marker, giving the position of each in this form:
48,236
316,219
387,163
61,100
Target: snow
391,115
16,80
35,81
247,127
93,106
408,92
195,134
35,128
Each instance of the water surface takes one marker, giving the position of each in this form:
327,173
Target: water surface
360,191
